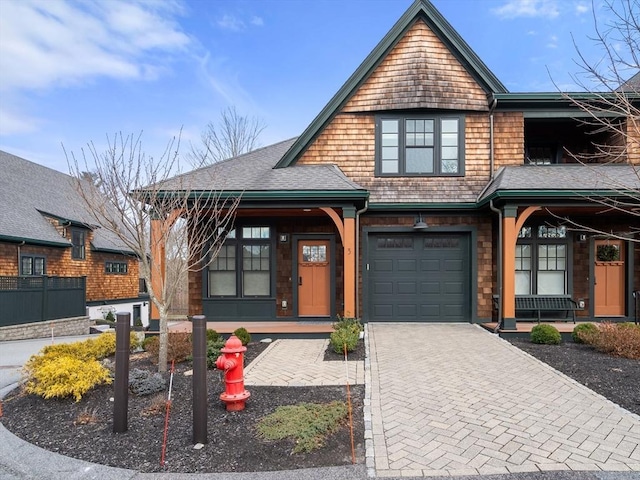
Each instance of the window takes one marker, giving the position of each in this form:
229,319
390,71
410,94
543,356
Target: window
242,267
541,261
32,265
77,244
413,146
541,155
115,267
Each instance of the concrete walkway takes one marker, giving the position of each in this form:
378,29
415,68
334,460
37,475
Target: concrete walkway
456,400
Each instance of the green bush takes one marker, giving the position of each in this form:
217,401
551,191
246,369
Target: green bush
344,336
110,317
212,335
584,332
348,323
243,335
546,334
213,352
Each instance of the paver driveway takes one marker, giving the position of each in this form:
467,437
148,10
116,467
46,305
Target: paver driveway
449,399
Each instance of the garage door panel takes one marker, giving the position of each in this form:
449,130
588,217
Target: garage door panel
380,288
423,277
407,288
430,287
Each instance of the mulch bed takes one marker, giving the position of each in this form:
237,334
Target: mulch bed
233,446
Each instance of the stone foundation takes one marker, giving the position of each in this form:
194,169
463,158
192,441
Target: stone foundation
62,327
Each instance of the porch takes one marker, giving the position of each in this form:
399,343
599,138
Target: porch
262,329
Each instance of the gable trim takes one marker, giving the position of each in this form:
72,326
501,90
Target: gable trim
419,10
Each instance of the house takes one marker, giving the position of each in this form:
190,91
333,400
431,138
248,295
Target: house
424,191
46,231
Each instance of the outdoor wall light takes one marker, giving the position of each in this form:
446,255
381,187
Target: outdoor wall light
420,224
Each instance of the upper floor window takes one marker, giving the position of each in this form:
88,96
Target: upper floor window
420,145
541,155
32,265
115,267
78,238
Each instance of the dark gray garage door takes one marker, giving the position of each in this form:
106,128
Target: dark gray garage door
418,278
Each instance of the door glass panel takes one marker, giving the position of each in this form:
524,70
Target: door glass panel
314,253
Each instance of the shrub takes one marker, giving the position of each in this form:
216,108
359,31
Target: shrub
243,335
179,347
110,317
61,375
344,336
307,423
619,340
348,323
546,334
144,382
212,335
584,332
213,352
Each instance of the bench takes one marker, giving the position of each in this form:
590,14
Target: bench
544,303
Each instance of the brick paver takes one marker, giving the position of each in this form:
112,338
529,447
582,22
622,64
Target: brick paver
300,363
450,399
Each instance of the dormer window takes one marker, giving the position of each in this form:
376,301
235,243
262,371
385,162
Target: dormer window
78,238
430,145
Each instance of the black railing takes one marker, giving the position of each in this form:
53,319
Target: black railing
36,299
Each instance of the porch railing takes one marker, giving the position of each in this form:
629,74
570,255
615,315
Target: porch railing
28,299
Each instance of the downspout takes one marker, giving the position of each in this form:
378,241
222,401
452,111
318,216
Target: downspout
358,213
19,245
499,279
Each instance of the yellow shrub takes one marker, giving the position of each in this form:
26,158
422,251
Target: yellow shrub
61,376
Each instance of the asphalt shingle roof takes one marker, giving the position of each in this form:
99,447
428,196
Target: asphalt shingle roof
29,190
254,171
572,178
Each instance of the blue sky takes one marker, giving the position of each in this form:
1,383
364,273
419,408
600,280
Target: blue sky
74,72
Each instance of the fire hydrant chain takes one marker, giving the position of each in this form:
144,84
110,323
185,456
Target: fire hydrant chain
232,363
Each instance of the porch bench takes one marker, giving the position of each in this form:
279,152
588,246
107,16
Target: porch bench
547,303
542,303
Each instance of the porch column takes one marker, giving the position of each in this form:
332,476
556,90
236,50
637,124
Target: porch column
158,269
509,239
347,231
512,223
349,243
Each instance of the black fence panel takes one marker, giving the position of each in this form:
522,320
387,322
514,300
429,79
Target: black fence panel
37,299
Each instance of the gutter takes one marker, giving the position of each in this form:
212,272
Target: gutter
499,279
492,107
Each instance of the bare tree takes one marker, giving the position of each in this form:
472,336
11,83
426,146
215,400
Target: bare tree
611,106
234,135
152,209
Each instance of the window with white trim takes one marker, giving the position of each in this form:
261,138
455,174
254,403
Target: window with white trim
420,145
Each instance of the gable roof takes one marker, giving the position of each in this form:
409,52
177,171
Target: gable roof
29,192
557,181
252,175
420,9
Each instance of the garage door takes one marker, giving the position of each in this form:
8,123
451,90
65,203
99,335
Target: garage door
418,278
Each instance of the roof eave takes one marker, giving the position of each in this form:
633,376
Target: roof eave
33,241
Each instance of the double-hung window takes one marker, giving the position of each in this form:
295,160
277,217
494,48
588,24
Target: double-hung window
78,238
420,145
541,261
32,265
242,267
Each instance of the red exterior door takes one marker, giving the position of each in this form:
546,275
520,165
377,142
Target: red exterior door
609,280
314,278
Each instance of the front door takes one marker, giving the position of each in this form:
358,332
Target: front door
609,283
314,278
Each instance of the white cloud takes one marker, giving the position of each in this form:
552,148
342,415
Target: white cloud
45,44
582,8
12,123
528,8
553,42
236,24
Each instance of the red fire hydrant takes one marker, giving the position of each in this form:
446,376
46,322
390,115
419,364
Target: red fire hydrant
232,362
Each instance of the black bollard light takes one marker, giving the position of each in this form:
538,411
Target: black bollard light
199,336
121,382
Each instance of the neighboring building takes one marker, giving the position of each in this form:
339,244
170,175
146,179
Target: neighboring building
422,190
46,230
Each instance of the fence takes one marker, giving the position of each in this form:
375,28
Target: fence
37,299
